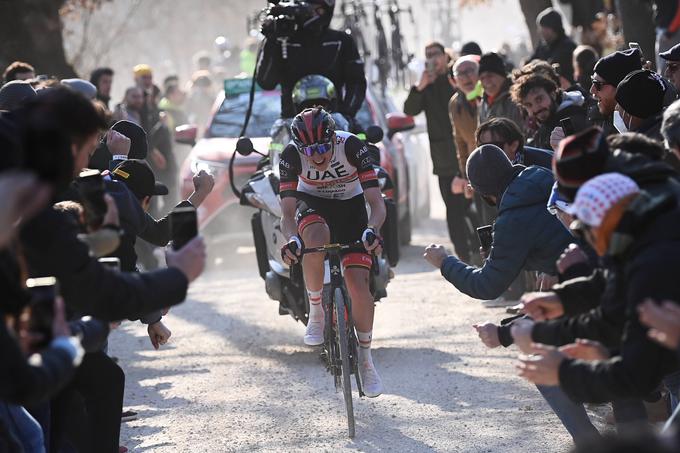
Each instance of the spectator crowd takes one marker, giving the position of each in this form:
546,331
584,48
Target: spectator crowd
88,192
570,161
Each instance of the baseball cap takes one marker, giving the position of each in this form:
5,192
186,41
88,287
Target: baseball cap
672,54
13,94
139,178
597,196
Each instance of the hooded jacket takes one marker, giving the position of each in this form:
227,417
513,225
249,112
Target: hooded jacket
501,107
525,237
645,254
571,105
434,101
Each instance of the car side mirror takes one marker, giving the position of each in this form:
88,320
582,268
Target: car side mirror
244,146
186,134
399,122
374,134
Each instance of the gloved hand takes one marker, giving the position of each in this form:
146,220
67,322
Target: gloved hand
372,242
291,251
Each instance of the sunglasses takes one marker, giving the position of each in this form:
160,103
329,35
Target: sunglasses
318,148
598,84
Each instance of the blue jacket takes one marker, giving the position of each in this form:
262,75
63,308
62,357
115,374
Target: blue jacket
525,237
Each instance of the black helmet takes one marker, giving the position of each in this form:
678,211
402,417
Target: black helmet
312,127
315,90
323,21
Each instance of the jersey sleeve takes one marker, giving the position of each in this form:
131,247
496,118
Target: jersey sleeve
289,171
358,155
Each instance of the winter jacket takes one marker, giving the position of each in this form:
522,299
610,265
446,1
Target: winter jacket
51,247
525,237
434,101
529,156
23,382
501,106
333,54
570,106
588,296
645,258
559,51
464,116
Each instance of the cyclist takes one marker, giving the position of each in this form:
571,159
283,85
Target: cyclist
327,177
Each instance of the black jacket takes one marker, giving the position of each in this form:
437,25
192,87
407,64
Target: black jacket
560,51
333,54
434,101
569,105
645,268
51,247
22,382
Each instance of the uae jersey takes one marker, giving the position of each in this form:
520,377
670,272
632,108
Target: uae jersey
349,173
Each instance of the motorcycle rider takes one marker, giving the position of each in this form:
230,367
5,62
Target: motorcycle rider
327,177
313,49
318,91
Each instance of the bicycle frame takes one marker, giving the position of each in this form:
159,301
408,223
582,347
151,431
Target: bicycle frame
340,342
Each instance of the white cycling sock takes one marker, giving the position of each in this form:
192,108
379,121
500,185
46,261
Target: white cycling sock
315,307
365,346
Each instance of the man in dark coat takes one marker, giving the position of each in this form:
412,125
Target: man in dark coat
555,46
548,105
637,232
432,95
525,235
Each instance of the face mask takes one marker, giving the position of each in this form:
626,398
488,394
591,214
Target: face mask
619,124
478,92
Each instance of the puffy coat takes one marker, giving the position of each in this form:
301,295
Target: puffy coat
525,237
644,268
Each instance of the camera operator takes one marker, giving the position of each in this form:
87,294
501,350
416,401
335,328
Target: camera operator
299,42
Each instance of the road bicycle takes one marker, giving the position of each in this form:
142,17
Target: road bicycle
340,348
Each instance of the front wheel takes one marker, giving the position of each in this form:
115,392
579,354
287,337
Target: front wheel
343,342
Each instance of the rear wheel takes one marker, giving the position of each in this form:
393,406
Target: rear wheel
343,342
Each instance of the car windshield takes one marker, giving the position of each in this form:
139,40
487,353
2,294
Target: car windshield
228,121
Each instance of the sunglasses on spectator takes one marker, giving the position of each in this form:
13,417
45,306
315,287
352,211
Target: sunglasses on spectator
598,84
672,67
466,73
318,148
429,55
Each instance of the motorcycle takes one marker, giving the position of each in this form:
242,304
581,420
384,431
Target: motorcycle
284,283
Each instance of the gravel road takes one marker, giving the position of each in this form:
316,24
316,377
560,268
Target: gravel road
237,377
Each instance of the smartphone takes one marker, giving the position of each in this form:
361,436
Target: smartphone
41,308
485,237
111,262
91,188
567,126
183,226
430,66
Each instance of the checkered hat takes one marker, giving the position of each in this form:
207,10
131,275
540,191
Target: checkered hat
597,196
